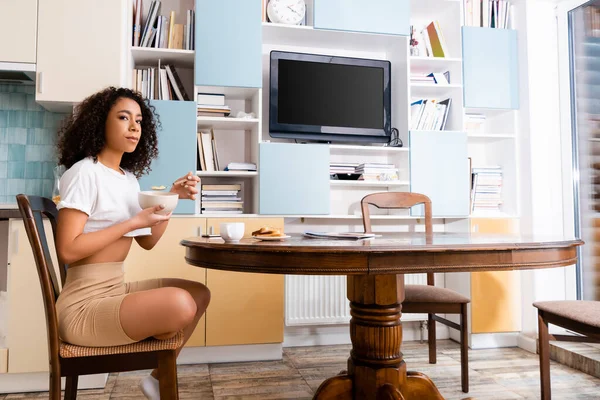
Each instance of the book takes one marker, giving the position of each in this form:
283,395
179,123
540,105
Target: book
176,83
233,186
210,99
339,235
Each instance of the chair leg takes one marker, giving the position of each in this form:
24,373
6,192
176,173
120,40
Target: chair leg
54,389
71,387
167,375
464,349
544,350
431,339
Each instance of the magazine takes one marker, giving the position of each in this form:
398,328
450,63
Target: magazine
339,235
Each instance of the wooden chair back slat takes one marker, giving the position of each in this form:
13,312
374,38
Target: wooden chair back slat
398,200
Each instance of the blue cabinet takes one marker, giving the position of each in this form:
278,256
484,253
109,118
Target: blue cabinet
293,179
228,43
439,168
176,148
490,68
373,16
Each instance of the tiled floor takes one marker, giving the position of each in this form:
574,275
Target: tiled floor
494,374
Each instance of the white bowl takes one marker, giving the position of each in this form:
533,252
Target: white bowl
149,199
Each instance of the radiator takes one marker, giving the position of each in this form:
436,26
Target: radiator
321,300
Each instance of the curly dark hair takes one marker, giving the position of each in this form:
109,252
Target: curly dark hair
83,133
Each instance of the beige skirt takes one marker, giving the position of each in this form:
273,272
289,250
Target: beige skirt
89,304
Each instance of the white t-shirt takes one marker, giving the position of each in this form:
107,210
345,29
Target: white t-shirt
105,195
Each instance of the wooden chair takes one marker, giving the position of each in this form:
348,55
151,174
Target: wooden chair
582,317
426,299
72,361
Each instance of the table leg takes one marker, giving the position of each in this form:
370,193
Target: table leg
376,369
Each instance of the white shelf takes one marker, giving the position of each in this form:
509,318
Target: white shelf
449,132
433,64
491,136
369,183
343,147
227,123
307,36
149,56
231,93
429,89
488,112
227,174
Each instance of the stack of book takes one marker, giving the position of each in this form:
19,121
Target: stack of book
221,199
159,83
212,105
377,172
240,166
486,189
342,168
161,31
429,114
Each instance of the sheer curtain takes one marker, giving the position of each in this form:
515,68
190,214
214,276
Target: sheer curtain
584,31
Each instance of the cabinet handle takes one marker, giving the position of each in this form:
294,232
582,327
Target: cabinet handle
15,242
40,83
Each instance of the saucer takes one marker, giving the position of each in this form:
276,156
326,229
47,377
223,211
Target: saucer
272,238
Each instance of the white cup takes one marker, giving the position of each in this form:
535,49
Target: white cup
231,232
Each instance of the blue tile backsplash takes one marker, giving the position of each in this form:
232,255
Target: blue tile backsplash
27,139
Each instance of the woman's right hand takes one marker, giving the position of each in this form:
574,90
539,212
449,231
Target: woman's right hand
148,218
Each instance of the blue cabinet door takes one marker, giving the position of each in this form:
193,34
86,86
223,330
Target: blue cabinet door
490,68
439,169
228,43
293,179
176,148
390,17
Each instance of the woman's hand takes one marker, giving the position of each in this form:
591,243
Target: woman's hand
185,186
148,218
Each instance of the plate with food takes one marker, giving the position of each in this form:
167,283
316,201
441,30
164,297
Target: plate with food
268,233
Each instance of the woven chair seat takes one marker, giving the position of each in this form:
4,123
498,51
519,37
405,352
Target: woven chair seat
432,294
68,350
583,311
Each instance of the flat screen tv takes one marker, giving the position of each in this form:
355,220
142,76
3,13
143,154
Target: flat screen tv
329,98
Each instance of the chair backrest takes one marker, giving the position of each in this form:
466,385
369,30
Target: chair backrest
33,209
398,200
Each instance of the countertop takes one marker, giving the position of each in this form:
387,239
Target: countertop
9,210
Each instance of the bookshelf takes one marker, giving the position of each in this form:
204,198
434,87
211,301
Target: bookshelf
494,142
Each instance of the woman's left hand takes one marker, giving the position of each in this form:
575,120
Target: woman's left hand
185,186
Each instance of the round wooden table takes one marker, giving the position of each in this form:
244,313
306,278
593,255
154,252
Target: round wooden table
375,270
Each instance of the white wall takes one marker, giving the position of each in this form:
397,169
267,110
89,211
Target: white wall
543,179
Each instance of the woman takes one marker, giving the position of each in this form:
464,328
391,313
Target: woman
106,145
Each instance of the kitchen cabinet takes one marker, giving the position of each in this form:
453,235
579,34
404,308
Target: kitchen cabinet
18,31
166,260
245,308
81,50
495,295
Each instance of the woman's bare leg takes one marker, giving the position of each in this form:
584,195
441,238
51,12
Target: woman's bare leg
161,313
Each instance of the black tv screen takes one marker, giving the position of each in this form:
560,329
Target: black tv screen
329,98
